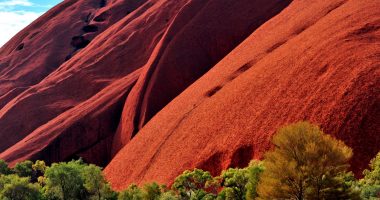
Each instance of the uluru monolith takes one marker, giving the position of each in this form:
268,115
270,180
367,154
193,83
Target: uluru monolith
150,88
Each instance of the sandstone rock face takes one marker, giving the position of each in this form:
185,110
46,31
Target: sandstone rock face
195,42
98,60
316,61
151,88
111,59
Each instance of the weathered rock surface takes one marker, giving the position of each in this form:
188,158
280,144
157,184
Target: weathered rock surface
150,88
106,53
316,61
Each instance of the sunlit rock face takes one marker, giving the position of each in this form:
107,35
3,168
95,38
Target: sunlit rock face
151,88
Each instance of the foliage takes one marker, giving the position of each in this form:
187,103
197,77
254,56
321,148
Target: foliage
341,187
305,164
152,191
234,182
254,171
39,165
370,184
4,169
95,183
24,169
192,184
241,183
39,168
14,187
64,181
133,192
170,195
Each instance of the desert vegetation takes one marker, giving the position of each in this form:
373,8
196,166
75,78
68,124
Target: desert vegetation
304,163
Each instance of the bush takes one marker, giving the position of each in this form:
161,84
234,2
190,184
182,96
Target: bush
192,184
170,195
14,187
234,182
254,171
241,183
370,184
4,169
24,169
133,192
152,191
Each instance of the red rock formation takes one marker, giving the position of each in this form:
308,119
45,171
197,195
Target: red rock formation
48,42
115,55
316,60
110,47
89,77
184,54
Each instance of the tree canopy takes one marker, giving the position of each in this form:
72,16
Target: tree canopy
370,184
304,164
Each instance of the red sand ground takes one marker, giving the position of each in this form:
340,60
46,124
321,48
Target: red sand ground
61,98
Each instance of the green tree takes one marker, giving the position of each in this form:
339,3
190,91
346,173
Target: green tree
192,184
133,192
341,187
234,182
107,193
227,193
304,164
95,183
39,166
241,183
209,196
5,179
169,195
370,184
152,191
4,169
64,181
24,169
14,187
254,171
